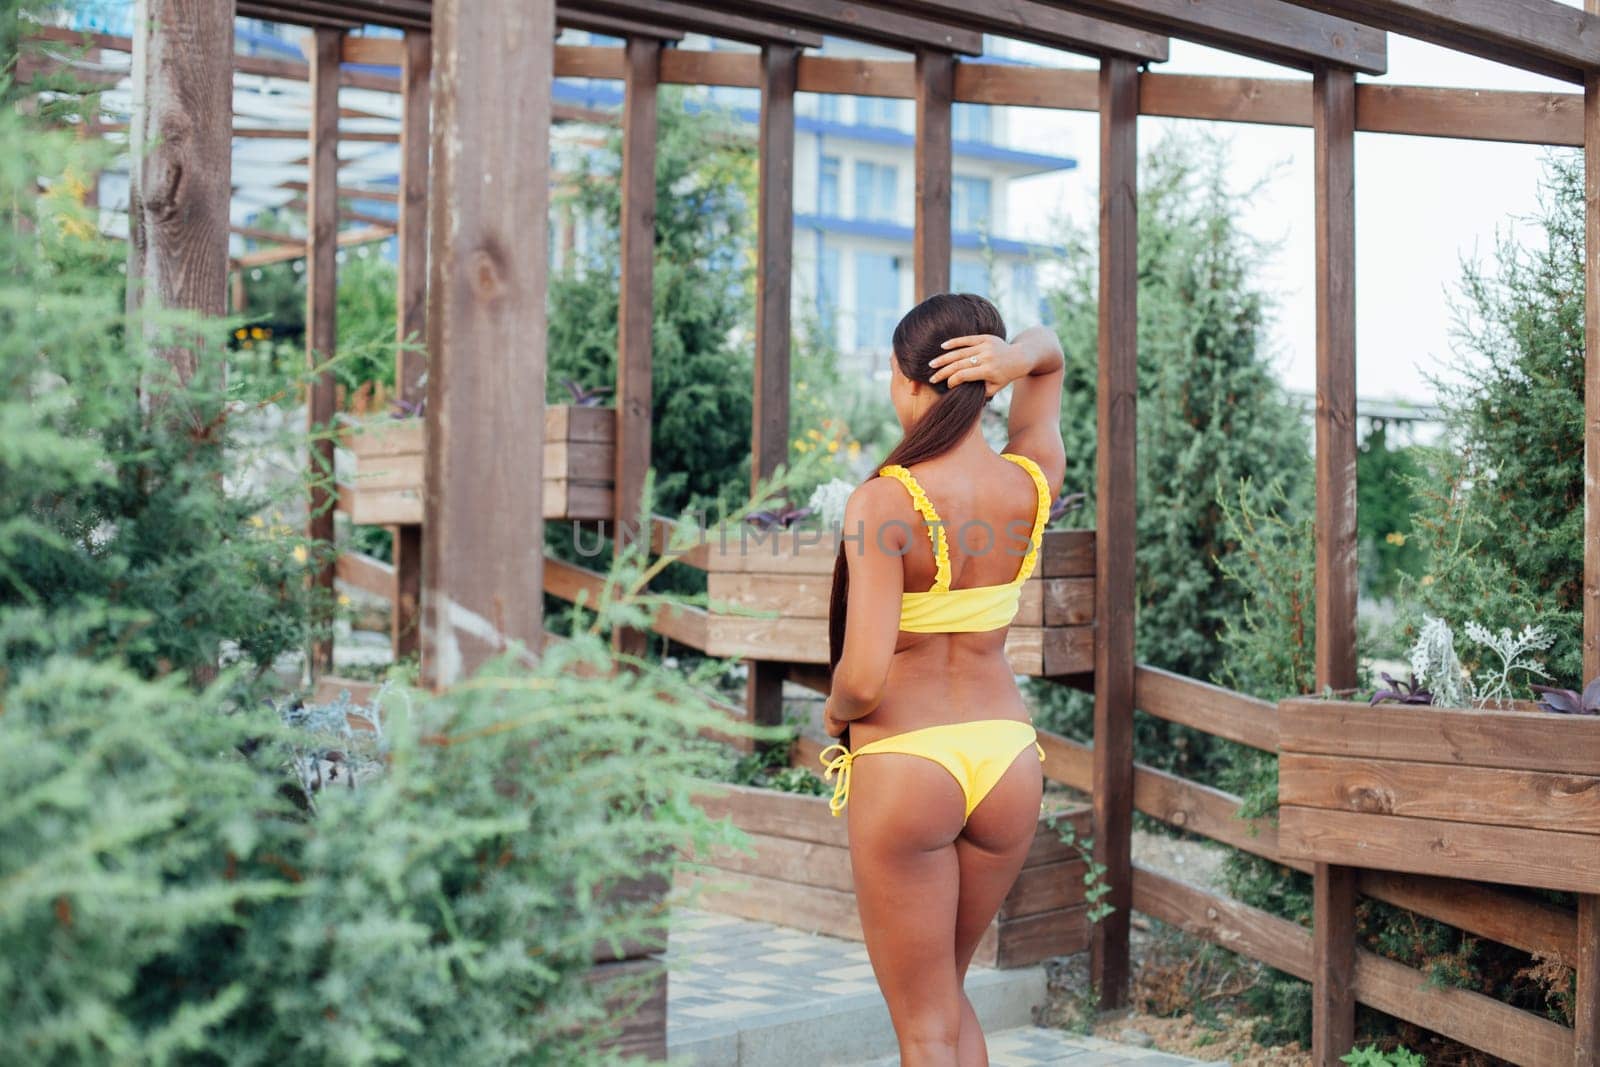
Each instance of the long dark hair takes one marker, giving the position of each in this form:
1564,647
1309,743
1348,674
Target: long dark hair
917,340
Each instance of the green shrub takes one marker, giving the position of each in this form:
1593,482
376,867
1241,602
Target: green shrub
1210,412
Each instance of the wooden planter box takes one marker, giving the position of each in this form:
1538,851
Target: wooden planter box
386,485
799,876
1496,796
775,571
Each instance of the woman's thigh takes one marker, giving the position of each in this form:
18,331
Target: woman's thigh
991,850
905,813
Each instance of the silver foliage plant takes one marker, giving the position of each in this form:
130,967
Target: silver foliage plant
1438,668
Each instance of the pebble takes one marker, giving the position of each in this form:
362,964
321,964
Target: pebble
1137,1038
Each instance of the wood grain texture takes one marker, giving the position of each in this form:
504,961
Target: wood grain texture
635,305
1237,927
1337,585
1116,478
1503,915
1333,961
992,83
180,175
489,235
1538,35
322,284
1591,373
863,22
411,308
1533,741
1278,33
1515,117
723,24
1507,855
1044,24
769,430
1203,706
1563,802
1586,1010
1516,1036
930,241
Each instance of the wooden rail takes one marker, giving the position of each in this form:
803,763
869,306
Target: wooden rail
1516,117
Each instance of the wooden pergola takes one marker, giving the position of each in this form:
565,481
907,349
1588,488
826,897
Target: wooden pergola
476,88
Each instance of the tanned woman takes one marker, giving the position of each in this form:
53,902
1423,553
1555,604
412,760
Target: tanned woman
940,764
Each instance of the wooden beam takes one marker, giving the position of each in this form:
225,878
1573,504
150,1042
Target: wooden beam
1333,888
1586,1011
322,284
488,235
614,26
1263,29
288,253
724,24
1116,479
636,304
1038,23
769,431
1543,36
411,314
180,173
930,241
860,22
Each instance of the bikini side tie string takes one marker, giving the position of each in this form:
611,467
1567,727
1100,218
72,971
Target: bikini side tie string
839,765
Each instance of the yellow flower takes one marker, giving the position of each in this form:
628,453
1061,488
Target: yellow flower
344,601
855,449
241,333
257,333
257,521
1427,579
1396,538
300,554
833,446
802,446
815,435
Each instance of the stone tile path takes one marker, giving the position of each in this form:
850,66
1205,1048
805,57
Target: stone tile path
751,994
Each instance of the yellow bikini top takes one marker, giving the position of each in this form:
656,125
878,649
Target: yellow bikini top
984,607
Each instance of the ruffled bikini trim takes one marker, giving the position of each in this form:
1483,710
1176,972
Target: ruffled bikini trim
924,506
1041,512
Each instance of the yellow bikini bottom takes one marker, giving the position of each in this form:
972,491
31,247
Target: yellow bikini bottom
976,753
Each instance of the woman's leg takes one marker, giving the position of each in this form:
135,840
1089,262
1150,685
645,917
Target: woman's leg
905,812
989,854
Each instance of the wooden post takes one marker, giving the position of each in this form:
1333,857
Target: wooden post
181,173
1586,1015
488,236
1116,408
780,64
636,306
411,326
930,253
1333,121
1587,1012
322,283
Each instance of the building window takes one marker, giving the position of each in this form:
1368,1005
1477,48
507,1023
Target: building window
828,107
827,287
970,276
972,122
828,187
877,298
875,190
1025,291
879,111
969,203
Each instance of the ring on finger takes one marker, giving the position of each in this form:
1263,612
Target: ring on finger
972,360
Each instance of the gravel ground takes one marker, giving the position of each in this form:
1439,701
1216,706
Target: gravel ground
1166,977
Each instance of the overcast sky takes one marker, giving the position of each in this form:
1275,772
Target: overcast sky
1421,205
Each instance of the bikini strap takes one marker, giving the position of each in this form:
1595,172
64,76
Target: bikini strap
924,506
1041,513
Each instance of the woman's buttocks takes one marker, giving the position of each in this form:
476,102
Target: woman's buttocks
943,678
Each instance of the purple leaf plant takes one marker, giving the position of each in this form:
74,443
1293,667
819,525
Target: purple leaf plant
1406,692
1566,702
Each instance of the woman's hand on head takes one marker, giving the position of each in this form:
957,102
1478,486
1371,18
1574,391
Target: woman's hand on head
997,365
